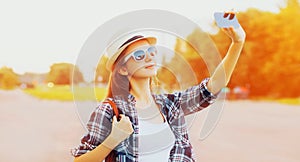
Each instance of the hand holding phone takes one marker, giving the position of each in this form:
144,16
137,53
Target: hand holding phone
226,19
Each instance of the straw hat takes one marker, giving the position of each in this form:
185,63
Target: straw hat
116,48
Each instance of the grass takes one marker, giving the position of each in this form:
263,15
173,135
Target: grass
65,93
289,101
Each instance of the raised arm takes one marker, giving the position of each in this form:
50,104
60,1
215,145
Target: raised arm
223,72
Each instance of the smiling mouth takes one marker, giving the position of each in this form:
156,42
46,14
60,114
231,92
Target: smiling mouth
150,66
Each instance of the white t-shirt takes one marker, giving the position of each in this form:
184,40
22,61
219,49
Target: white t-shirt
155,141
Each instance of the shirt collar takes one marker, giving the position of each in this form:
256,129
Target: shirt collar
131,98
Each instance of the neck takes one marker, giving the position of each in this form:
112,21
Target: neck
140,89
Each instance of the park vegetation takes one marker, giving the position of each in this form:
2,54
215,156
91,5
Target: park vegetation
269,65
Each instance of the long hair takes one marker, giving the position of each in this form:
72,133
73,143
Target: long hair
118,84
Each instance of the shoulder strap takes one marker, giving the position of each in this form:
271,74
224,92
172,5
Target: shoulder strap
114,107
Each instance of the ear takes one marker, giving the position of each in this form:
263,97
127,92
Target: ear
123,71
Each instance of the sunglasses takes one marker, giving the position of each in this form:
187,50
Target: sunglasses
140,54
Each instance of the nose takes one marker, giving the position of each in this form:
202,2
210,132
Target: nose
148,57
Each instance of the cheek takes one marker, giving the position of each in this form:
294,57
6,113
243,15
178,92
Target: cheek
133,66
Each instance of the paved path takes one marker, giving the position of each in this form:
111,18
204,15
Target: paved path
44,131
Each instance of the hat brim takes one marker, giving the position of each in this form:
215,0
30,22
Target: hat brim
111,61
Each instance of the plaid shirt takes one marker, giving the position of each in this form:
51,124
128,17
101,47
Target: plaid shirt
174,106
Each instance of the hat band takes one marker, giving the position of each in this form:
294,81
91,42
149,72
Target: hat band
131,39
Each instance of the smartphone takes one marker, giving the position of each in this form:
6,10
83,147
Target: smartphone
226,20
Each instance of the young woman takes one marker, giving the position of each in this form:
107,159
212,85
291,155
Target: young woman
127,139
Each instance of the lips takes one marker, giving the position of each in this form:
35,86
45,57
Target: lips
150,66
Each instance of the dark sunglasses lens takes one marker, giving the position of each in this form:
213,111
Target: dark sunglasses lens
152,51
139,55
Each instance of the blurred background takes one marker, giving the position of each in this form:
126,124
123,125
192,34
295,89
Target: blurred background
38,119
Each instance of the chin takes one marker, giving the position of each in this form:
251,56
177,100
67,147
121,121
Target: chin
145,73
150,72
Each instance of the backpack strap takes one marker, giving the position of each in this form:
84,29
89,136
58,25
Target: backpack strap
114,107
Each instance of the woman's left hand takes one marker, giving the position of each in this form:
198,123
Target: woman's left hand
237,35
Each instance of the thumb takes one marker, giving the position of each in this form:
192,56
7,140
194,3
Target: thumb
115,119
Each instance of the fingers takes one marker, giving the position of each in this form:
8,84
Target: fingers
124,125
122,115
225,14
229,31
115,119
120,131
231,15
122,119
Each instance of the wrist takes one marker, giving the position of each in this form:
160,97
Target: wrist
241,41
111,142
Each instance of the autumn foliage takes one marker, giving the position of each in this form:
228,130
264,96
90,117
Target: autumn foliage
8,78
64,73
269,64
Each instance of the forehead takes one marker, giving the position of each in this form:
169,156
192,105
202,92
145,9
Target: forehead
136,45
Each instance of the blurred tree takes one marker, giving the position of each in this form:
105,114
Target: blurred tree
8,78
102,74
61,73
201,53
270,60
167,79
187,66
269,64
